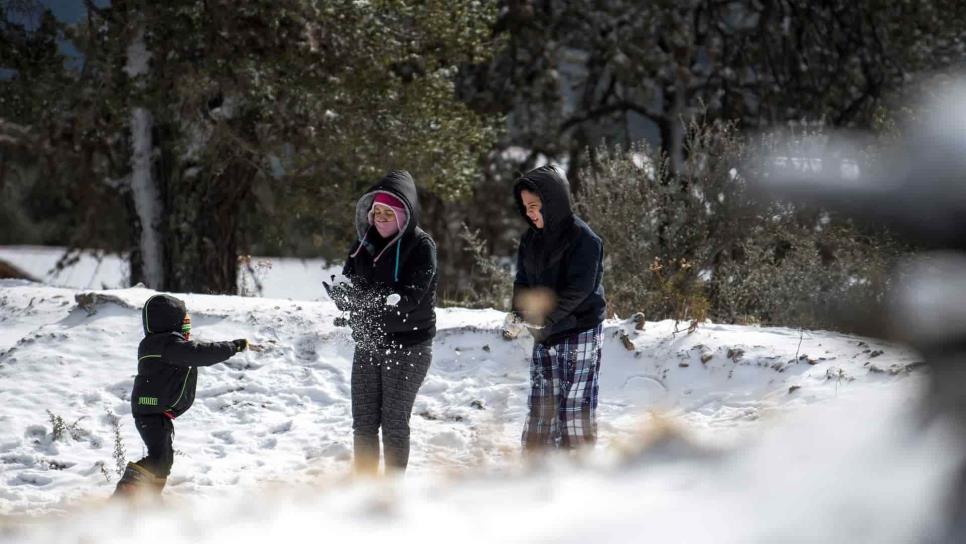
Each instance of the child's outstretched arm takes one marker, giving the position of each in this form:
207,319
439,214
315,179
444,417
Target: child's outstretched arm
192,353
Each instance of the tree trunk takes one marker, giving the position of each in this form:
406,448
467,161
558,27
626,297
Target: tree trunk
437,222
147,260
147,201
202,229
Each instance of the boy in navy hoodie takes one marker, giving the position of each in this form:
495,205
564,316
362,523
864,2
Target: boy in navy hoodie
558,292
164,388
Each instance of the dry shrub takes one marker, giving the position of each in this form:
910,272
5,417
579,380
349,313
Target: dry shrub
489,282
692,242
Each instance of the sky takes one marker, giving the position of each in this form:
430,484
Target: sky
67,11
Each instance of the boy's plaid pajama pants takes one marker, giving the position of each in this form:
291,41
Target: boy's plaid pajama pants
563,392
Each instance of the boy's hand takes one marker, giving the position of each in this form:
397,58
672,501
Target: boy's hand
539,334
241,344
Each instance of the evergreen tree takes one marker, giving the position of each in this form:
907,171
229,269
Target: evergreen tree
576,72
212,120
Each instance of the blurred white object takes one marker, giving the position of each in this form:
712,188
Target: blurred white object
512,326
927,307
392,299
915,186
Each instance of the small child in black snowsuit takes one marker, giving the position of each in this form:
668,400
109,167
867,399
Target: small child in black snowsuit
165,386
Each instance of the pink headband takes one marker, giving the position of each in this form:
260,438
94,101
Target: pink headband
388,200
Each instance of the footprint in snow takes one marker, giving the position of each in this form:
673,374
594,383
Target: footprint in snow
334,450
282,427
29,478
224,436
306,347
217,450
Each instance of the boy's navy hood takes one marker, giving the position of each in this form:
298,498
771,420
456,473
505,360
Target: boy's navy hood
398,183
162,313
552,188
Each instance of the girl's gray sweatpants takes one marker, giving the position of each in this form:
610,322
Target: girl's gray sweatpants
384,386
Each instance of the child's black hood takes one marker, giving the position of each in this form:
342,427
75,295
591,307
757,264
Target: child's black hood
551,186
398,183
162,313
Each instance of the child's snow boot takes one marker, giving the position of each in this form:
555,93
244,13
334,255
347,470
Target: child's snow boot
157,486
137,478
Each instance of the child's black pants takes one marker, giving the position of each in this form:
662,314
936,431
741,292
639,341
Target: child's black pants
156,432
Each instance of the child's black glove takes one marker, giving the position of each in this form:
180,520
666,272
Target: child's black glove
339,293
241,344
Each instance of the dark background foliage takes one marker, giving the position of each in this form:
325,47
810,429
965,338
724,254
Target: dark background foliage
267,119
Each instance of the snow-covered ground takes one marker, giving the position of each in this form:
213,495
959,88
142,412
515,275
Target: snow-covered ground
755,432
727,434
